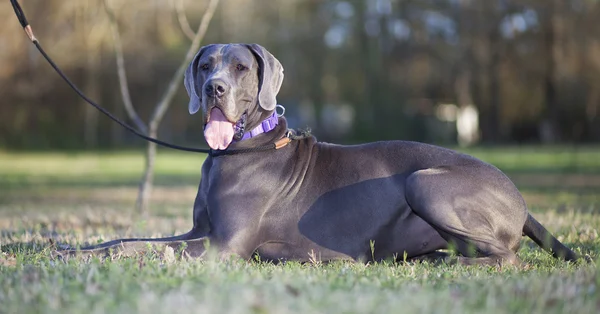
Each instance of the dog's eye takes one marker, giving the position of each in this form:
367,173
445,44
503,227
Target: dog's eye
240,67
204,66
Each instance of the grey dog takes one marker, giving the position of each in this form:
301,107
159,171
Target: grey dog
308,199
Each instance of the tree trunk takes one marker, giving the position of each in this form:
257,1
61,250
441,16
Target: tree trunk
147,182
490,70
549,132
90,131
494,114
91,87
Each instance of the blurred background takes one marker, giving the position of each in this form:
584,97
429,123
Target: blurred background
440,71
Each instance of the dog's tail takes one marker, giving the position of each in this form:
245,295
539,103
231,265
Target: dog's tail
547,241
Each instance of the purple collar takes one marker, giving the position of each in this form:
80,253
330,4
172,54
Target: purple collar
265,126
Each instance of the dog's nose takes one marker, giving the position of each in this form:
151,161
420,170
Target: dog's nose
215,88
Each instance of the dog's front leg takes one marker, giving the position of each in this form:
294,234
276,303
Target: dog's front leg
189,245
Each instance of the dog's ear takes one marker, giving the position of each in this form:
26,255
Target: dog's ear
189,80
270,76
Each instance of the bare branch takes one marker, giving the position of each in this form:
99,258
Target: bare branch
165,102
140,125
183,21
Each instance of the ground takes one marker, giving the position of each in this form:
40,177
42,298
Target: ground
79,198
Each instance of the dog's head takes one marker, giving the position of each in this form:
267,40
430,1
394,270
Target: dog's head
234,83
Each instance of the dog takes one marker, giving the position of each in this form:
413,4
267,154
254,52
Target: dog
305,199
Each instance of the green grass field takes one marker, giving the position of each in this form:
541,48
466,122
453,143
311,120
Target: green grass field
78,198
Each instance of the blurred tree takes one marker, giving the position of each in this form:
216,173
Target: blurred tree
166,99
531,67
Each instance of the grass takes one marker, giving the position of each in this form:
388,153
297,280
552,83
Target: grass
88,197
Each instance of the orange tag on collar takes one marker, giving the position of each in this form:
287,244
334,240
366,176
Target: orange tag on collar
282,142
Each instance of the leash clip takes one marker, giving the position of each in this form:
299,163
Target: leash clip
288,133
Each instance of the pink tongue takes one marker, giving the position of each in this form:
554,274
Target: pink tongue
218,132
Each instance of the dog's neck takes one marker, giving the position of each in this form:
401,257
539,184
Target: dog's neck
264,138
265,126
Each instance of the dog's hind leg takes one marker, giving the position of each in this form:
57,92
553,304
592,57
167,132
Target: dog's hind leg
473,207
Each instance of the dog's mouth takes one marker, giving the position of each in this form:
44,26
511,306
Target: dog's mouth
219,132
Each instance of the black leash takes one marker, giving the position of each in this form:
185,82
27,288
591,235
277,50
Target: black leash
211,152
